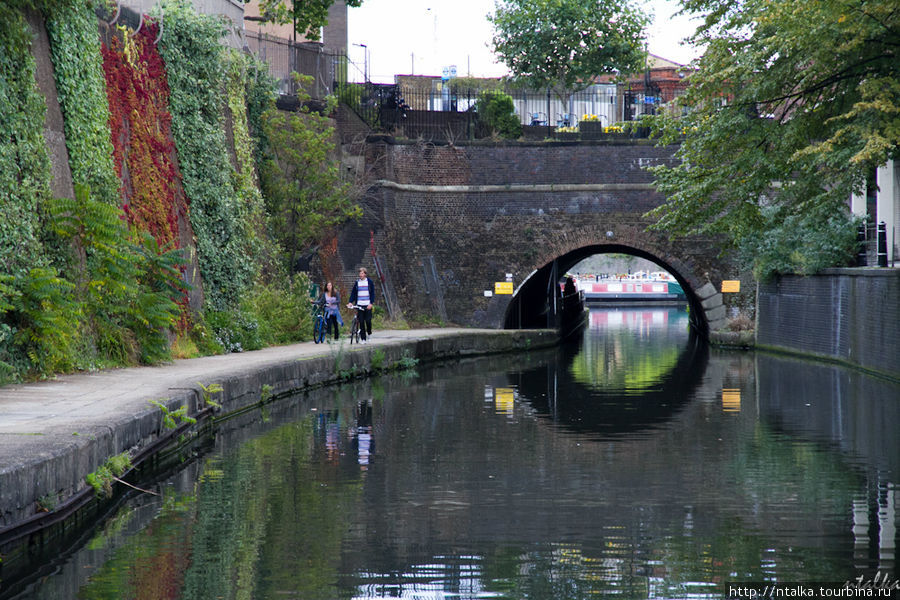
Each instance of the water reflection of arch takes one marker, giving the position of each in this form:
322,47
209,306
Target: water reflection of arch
528,306
554,393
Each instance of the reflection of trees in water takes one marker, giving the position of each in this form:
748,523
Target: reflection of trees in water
619,380
634,355
463,500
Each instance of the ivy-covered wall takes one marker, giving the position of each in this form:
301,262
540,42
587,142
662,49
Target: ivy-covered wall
139,122
78,73
96,279
24,165
194,57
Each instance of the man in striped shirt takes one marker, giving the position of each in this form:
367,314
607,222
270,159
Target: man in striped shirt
363,295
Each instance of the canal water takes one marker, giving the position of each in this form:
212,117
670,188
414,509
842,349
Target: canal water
636,463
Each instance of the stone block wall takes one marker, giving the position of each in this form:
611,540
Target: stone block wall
850,315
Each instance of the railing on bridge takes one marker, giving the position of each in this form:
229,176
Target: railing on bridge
446,110
872,239
451,113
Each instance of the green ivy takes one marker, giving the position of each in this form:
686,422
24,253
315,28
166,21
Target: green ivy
251,209
78,71
193,55
261,94
24,164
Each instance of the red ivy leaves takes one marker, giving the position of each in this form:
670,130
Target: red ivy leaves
143,151
140,122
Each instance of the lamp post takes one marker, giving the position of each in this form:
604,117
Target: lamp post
365,61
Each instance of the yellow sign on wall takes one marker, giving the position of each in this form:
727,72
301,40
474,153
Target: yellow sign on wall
731,400
504,401
731,286
503,287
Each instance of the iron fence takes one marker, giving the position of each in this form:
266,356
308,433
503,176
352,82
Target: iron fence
435,109
605,103
872,239
448,113
285,58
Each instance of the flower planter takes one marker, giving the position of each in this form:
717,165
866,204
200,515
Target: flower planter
591,130
567,136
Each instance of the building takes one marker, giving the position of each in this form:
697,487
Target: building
333,36
287,52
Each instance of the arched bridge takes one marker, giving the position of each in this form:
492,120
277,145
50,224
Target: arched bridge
451,220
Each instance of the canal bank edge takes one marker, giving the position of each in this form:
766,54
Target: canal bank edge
846,316
80,421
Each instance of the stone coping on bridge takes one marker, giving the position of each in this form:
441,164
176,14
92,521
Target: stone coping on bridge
54,433
391,140
516,187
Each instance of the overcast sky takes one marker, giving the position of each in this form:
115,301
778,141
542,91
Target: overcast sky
423,36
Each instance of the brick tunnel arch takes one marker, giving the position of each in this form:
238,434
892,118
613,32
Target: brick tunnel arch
531,302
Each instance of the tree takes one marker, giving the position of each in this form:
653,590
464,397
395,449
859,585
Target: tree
307,16
301,180
791,107
566,44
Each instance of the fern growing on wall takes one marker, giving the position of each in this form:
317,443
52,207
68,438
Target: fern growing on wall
130,288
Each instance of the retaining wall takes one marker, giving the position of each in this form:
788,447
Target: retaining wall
850,315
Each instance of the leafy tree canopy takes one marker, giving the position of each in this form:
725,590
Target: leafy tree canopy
565,44
793,103
307,16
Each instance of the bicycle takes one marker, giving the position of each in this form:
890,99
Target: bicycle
354,324
320,324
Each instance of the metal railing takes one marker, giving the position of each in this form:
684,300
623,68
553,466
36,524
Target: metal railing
448,113
873,245
285,58
606,104
445,111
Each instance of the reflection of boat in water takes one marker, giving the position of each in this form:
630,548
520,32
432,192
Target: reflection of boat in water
632,289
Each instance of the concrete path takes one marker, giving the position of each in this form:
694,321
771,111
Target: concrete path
53,433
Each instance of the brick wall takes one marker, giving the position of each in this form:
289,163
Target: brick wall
847,314
467,237
520,163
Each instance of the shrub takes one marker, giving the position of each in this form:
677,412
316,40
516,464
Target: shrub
234,330
282,309
497,112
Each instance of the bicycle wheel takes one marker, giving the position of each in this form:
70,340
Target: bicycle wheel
354,331
319,332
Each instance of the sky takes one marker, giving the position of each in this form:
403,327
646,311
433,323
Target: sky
422,37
